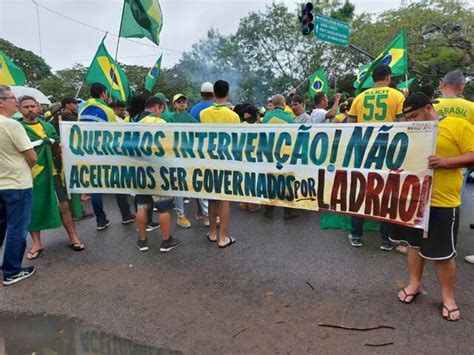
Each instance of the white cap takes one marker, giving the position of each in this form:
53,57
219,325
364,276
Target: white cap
207,87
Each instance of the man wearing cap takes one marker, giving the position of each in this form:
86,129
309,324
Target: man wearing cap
454,150
167,115
207,95
70,111
378,104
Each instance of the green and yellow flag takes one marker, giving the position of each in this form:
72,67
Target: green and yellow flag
318,83
10,74
104,70
405,85
361,73
142,18
395,56
153,75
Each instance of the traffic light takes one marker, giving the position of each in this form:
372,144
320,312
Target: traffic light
306,18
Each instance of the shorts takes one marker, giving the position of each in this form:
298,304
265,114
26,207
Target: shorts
442,234
147,201
60,189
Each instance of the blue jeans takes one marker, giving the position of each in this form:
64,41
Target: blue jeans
98,206
357,228
14,220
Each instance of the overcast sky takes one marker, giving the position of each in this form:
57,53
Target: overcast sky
65,42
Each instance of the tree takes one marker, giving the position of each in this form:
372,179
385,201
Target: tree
65,82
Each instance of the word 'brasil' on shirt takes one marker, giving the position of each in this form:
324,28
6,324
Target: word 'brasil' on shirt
379,104
455,137
218,113
455,106
277,116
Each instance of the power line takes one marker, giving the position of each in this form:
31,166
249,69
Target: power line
127,57
101,30
39,27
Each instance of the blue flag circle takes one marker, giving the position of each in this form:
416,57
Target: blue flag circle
387,60
317,85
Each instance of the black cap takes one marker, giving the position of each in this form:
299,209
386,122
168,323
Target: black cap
415,101
380,72
69,100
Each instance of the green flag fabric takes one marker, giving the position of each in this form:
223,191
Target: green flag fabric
395,56
361,73
343,221
153,75
318,83
142,18
405,85
45,212
104,70
10,74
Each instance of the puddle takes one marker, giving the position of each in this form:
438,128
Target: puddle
54,335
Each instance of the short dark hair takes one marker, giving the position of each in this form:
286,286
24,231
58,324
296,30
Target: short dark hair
68,100
297,98
380,72
25,98
319,97
428,89
153,101
116,104
252,111
137,104
221,88
97,89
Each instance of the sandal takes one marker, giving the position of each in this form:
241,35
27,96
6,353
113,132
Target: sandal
209,238
32,255
448,316
231,241
76,246
402,249
406,295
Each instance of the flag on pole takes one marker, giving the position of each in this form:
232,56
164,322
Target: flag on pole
405,85
141,18
395,56
104,70
153,75
361,73
10,74
318,83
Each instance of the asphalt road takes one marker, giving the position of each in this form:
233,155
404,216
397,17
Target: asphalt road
265,294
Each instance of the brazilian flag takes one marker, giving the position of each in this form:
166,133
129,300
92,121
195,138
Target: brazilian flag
105,71
405,85
10,74
395,56
141,18
318,83
361,73
153,75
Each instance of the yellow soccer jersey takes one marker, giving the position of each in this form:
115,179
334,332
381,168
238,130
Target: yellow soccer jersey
219,114
380,104
455,106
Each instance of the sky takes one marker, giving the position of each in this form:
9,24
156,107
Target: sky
62,41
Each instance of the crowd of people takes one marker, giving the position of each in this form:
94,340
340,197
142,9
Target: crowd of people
33,196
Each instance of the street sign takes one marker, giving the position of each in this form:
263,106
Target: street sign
331,30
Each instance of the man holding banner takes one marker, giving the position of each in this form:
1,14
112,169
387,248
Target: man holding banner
379,104
454,150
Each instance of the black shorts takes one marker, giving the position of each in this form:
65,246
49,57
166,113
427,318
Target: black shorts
442,234
60,189
147,201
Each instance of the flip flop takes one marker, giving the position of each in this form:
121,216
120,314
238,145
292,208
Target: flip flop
32,255
209,238
448,316
76,246
406,295
231,241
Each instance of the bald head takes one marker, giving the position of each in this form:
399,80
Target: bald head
278,101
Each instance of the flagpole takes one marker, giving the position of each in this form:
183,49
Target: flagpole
120,29
296,88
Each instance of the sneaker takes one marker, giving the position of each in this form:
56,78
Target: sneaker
142,245
187,201
103,225
355,241
387,246
128,219
152,226
168,245
23,274
469,259
183,222
203,219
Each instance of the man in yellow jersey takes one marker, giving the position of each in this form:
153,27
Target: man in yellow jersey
454,150
378,104
219,113
451,102
154,106
48,185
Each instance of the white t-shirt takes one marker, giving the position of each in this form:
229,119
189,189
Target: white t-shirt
303,118
318,115
15,174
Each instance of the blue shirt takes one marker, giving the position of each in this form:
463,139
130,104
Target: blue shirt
196,110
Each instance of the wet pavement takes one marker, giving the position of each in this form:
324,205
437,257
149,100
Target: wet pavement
44,334
267,293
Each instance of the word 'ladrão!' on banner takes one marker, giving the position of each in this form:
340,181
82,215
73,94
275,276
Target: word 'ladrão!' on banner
375,170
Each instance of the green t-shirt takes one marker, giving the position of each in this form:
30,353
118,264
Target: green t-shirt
183,117
168,116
